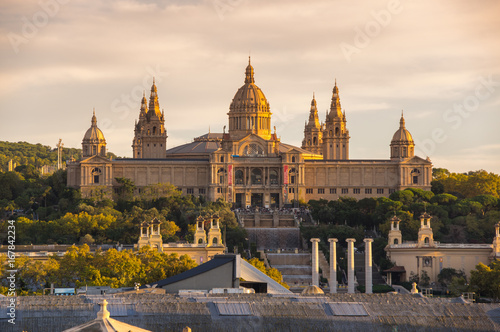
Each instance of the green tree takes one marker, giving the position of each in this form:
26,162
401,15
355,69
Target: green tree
485,280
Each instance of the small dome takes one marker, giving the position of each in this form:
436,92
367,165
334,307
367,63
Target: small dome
310,290
402,135
93,134
249,98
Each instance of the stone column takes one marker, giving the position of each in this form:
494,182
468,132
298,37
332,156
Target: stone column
333,265
315,265
368,266
350,265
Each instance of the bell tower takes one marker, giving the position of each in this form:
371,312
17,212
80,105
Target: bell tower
395,236
425,235
150,140
313,135
335,136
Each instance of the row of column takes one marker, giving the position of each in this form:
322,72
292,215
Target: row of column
350,264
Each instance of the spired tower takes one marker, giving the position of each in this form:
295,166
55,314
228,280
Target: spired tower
313,134
402,145
249,110
93,143
335,136
150,139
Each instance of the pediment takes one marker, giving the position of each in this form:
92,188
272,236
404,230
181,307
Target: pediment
95,159
417,160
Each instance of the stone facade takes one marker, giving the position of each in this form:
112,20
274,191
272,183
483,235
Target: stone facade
432,256
249,165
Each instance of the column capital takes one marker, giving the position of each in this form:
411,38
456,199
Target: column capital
333,240
368,240
315,239
350,240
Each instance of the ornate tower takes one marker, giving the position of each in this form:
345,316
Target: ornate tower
335,135
249,111
395,236
313,134
93,143
150,139
200,236
214,234
402,145
425,235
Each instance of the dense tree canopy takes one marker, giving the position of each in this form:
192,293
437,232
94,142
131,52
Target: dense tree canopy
79,267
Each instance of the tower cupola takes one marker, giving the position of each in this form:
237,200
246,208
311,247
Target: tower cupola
93,142
402,145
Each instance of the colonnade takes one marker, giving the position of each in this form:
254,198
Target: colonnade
350,264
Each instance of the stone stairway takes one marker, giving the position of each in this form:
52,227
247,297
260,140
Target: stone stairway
359,266
323,265
295,268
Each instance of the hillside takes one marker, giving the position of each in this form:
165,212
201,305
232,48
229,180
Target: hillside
37,155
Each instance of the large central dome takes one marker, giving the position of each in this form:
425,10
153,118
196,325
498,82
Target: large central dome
249,98
249,110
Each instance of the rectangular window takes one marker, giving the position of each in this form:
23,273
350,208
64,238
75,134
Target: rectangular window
368,190
345,190
356,191
219,190
291,190
333,190
309,191
415,179
190,191
380,191
201,191
321,190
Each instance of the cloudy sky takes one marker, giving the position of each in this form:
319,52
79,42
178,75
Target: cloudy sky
439,61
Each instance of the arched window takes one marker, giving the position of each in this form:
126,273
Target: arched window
308,142
315,140
200,241
256,176
426,240
337,130
96,174
214,240
415,173
149,132
396,241
94,150
238,176
293,159
154,130
273,177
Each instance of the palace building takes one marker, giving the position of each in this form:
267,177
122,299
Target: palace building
248,165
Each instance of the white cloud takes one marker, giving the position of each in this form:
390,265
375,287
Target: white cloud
90,53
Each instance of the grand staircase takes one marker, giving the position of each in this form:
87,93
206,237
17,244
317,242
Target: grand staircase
359,266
